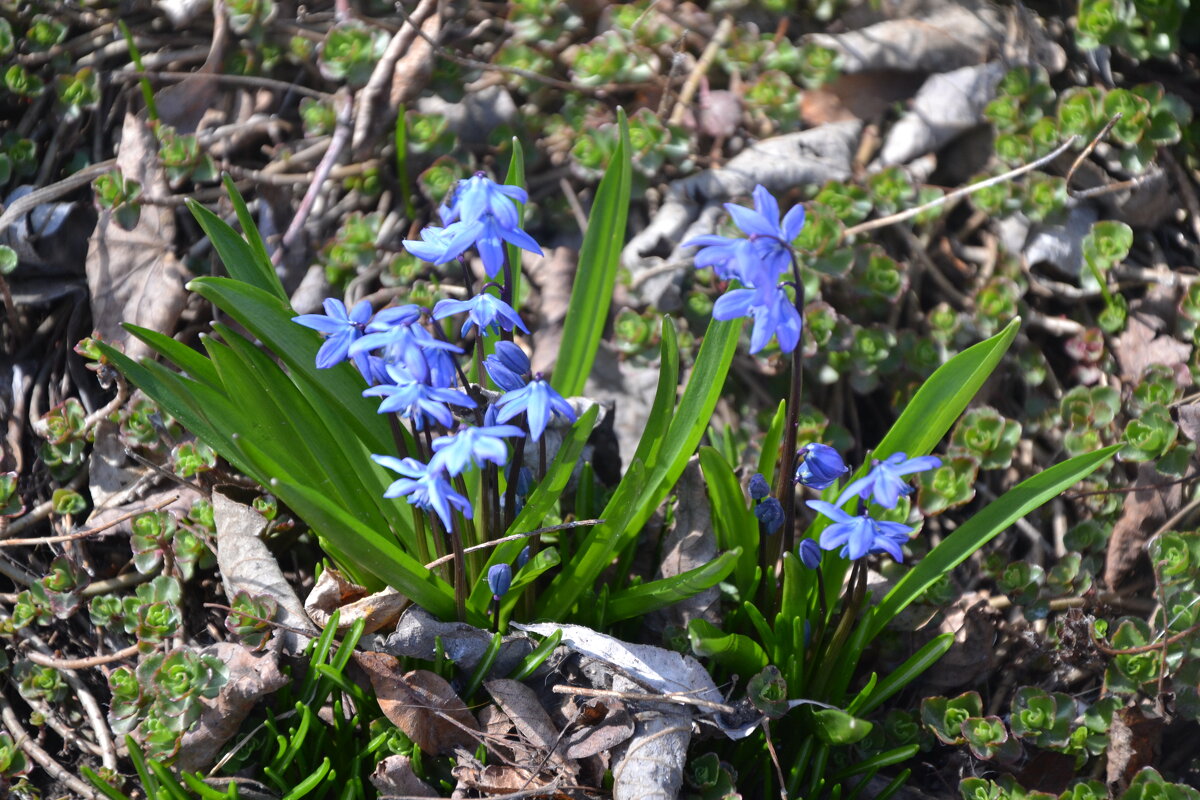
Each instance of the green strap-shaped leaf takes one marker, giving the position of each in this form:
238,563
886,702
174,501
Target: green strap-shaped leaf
599,258
516,177
190,361
664,396
258,249
237,256
982,528
638,600
739,654
734,523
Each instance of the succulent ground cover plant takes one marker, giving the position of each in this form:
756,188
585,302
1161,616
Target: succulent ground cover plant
631,399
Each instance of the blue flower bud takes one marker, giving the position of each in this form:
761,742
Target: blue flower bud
770,514
820,465
759,487
499,578
810,554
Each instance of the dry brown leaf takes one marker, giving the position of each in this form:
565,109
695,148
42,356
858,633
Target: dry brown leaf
690,543
496,778
1139,347
333,592
421,703
590,736
247,565
133,276
864,96
1133,740
974,625
1188,418
521,705
252,675
394,777
1143,512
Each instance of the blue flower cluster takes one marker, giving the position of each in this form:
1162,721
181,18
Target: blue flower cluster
416,372
857,535
758,263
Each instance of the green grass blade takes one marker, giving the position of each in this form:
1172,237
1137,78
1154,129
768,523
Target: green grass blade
982,528
190,361
768,457
739,654
733,522
258,249
902,675
516,177
235,253
664,396
638,600
400,135
599,258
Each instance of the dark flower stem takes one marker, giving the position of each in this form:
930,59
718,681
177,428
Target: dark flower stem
460,569
786,491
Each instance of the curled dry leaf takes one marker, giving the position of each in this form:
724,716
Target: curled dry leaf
418,631
333,592
1140,346
600,726
247,565
521,705
133,275
394,777
252,675
1133,742
422,704
1144,511
690,543
947,37
650,764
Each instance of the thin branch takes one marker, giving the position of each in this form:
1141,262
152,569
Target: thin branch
251,81
901,216
69,537
44,510
1087,151
44,759
514,537
43,660
724,28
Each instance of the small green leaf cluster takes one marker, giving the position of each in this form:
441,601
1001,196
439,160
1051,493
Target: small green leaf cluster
1105,245
656,145
118,194
78,92
1147,784
249,619
711,778
182,158
18,157
612,57
247,17
13,762
350,52
1150,118
352,247
1142,29
65,432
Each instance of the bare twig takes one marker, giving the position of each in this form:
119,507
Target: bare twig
44,759
43,660
68,537
251,81
44,510
901,216
514,537
635,697
23,205
688,91
1087,151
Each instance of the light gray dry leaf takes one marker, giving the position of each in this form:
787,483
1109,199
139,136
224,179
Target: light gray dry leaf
521,705
587,738
629,386
418,630
1188,418
947,105
780,164
1139,346
252,675
421,703
247,565
947,37
690,543
1061,246
133,276
394,777
973,622
649,766
333,592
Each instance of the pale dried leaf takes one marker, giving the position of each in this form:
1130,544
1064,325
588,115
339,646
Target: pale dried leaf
971,657
1139,346
334,592
421,703
690,543
1188,418
947,105
1133,743
417,633
133,276
252,676
588,738
247,565
394,777
650,764
1143,512
521,705
947,37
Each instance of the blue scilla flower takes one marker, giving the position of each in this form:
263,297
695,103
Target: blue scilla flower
343,329
424,487
499,580
431,245
773,311
473,445
417,401
857,535
479,195
507,366
820,465
759,488
810,554
390,328
885,482
770,514
538,401
488,235
767,252
485,310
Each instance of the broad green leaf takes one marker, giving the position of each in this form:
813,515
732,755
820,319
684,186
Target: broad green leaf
599,258
664,396
516,177
639,600
733,521
836,727
981,529
739,654
768,458
901,676
237,256
257,248
190,361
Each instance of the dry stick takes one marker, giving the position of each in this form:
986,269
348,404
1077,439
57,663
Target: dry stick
171,76
514,537
681,698
43,660
69,537
41,512
44,759
341,135
381,77
1087,151
688,91
23,205
900,216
